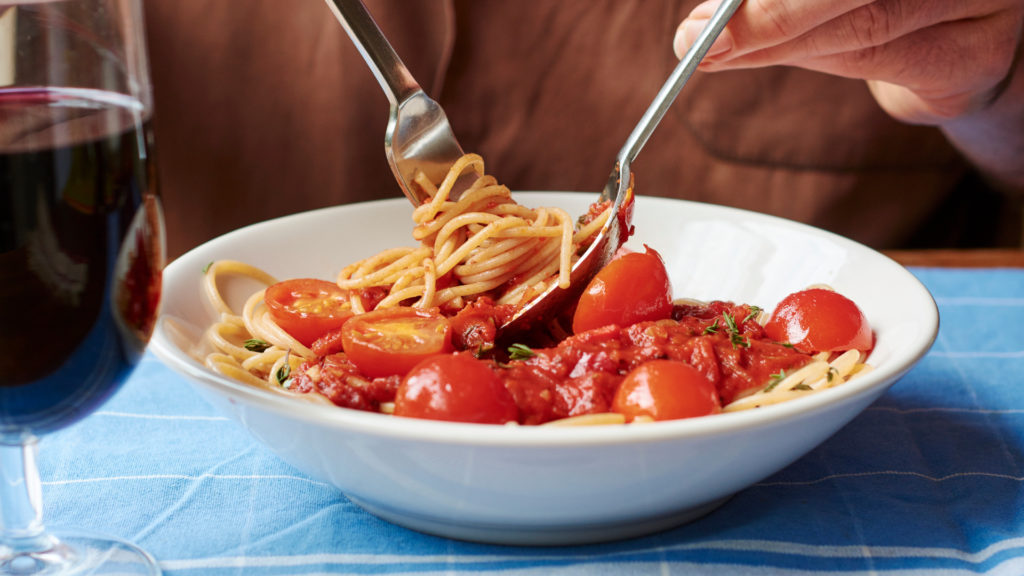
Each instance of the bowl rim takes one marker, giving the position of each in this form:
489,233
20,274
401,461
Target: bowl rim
489,435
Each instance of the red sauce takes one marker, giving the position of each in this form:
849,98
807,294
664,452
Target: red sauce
337,378
580,374
372,295
475,327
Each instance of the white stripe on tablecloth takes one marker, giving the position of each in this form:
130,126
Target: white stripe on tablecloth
108,413
955,476
975,354
68,481
945,410
752,546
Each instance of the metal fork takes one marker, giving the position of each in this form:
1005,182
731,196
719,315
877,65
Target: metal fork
418,137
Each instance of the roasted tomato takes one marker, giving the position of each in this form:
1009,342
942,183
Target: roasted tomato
455,388
633,287
819,320
665,390
475,327
329,343
337,378
390,341
307,308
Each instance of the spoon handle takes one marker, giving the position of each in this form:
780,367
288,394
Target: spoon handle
682,72
396,80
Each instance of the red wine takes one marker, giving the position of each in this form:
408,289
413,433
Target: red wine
81,252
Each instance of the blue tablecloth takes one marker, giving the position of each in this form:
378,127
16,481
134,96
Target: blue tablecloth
926,481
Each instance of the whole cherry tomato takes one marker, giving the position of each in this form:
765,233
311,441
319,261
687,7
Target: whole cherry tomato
666,390
819,320
307,308
390,341
633,287
455,388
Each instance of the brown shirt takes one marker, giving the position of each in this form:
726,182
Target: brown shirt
265,108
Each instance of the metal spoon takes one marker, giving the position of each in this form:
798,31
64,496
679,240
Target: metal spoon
618,189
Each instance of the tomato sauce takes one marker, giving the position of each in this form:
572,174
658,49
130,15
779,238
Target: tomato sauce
475,327
581,374
337,378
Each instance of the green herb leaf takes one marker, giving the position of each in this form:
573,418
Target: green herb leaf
207,267
285,371
775,379
482,350
754,311
713,328
256,345
801,386
520,352
737,339
832,374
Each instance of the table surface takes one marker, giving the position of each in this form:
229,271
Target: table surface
926,481
981,258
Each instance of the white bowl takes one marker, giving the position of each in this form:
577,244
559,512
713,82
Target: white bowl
528,485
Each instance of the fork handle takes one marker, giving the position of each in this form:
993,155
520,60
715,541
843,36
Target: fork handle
387,67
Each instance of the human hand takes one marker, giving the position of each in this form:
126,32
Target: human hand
925,61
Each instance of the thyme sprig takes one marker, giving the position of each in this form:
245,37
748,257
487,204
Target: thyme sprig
832,374
256,345
775,380
738,340
284,372
754,311
520,352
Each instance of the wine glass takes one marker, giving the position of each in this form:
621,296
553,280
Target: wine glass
81,250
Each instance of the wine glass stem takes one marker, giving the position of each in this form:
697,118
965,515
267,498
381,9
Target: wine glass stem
21,499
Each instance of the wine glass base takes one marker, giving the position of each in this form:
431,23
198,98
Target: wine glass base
79,554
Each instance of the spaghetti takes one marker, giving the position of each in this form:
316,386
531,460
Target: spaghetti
478,244
480,251
482,242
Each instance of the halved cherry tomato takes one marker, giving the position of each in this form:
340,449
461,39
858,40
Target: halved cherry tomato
455,388
307,308
665,390
390,341
819,320
633,287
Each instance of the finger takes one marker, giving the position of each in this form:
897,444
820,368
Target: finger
868,26
942,71
902,103
758,24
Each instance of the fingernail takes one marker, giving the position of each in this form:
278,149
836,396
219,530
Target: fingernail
687,34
